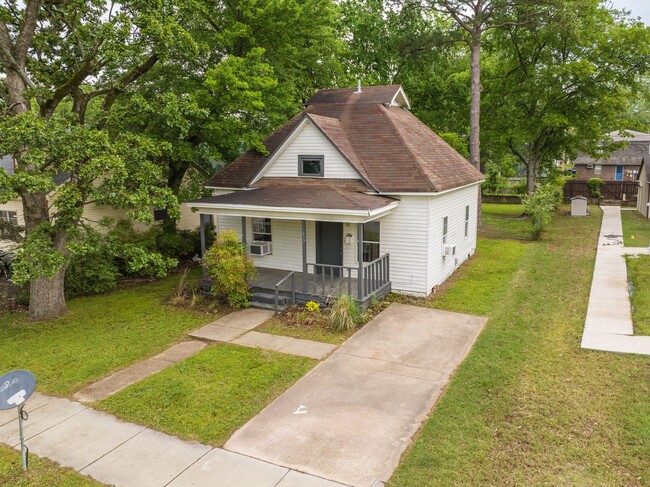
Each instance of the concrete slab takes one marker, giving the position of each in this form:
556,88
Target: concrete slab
416,337
297,479
608,324
245,319
308,348
217,333
353,415
262,340
36,401
226,469
121,379
82,439
148,459
181,351
40,419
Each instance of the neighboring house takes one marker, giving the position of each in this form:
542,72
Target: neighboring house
621,164
13,210
643,198
356,195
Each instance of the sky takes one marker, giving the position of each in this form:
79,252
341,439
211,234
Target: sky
639,8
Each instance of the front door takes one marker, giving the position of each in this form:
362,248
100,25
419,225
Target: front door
329,245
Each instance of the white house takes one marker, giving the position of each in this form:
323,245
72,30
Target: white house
355,195
643,198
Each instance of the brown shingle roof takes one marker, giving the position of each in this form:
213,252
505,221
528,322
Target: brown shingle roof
390,148
310,193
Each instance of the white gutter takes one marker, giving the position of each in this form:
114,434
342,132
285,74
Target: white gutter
284,209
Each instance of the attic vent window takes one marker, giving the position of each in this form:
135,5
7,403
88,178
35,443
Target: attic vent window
311,166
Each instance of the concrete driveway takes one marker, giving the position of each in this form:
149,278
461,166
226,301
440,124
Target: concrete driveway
351,418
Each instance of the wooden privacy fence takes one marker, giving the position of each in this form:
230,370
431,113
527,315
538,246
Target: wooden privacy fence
611,190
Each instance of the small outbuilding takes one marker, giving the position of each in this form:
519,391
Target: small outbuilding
643,198
579,206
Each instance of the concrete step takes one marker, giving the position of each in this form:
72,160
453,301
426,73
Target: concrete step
258,305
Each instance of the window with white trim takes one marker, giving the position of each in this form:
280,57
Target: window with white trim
370,241
311,166
598,169
10,216
445,229
466,220
262,230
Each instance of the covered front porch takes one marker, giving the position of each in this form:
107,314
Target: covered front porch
305,253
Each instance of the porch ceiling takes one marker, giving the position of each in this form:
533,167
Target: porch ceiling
299,202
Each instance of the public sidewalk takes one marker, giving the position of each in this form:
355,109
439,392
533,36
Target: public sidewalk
130,455
608,326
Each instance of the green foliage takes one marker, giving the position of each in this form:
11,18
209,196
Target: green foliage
344,313
595,186
312,306
231,269
542,204
90,273
494,182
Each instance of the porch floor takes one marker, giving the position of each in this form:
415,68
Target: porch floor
317,284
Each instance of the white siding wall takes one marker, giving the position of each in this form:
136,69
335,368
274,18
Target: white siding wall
189,220
17,206
451,205
310,142
404,235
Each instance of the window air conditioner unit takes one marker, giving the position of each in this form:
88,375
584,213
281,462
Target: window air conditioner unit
590,166
448,250
259,248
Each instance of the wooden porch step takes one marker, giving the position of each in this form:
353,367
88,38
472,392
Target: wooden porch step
267,301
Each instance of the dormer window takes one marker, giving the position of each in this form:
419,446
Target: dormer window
311,166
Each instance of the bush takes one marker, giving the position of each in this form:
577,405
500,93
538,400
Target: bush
541,205
595,186
494,183
91,273
231,269
344,313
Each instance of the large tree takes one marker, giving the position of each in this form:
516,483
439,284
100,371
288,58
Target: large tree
65,66
557,86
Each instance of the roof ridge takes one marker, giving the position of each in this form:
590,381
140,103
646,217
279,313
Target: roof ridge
408,148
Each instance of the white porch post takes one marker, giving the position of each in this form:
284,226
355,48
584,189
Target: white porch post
360,257
304,257
243,230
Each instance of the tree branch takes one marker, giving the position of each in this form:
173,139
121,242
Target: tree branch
517,153
26,36
11,230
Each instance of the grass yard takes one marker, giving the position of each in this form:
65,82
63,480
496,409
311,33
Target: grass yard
98,335
210,395
41,472
638,274
636,229
528,406
504,221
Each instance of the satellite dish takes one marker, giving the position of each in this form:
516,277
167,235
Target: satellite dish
15,388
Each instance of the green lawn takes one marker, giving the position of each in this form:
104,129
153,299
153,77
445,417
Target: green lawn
41,472
210,395
638,273
504,221
98,335
636,229
528,406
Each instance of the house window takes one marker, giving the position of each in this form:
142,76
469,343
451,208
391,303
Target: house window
467,220
370,241
619,173
445,229
262,230
9,216
311,166
598,169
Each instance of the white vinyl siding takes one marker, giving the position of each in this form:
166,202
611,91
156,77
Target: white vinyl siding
310,141
15,206
404,236
453,205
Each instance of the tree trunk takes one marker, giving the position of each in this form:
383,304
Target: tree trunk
475,103
46,297
531,176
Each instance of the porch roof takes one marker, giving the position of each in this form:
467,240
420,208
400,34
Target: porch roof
299,202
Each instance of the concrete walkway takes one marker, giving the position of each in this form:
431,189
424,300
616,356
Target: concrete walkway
608,325
125,454
352,416
235,328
